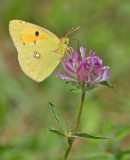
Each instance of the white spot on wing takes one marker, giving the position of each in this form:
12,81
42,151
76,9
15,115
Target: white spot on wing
36,54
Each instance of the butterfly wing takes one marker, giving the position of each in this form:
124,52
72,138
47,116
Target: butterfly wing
38,61
35,46
23,33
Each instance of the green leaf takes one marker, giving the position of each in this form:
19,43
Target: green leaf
56,132
58,118
84,135
106,83
76,90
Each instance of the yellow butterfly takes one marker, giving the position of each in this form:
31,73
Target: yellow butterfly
39,50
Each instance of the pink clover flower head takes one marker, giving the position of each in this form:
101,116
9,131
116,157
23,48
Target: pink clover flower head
83,72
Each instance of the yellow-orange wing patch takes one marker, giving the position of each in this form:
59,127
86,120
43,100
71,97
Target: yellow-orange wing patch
23,33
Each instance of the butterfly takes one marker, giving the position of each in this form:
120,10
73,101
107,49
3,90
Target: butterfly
39,50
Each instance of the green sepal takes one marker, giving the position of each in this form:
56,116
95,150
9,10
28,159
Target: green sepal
106,83
58,118
56,132
75,90
85,135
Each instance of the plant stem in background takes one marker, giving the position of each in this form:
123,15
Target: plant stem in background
71,139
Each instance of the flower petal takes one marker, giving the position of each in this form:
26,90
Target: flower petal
84,71
83,50
91,53
105,75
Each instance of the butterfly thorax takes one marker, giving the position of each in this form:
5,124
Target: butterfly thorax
62,46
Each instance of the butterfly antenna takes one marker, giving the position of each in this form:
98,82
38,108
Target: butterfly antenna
72,30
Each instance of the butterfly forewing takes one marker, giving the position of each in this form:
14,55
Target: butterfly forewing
23,33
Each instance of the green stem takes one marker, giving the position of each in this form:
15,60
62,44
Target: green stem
80,111
71,139
70,142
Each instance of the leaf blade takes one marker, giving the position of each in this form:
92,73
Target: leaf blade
58,118
85,135
56,132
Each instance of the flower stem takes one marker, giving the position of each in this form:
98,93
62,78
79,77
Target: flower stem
71,139
80,111
70,142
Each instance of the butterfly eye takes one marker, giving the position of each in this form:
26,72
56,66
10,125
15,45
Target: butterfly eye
37,33
65,40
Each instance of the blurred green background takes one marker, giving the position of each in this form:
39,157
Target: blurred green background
24,110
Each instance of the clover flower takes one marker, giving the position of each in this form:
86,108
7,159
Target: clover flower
83,72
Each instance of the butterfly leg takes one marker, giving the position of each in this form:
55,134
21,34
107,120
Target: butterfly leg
61,61
70,49
68,54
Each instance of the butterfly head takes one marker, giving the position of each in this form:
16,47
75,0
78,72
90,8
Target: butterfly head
65,40
62,47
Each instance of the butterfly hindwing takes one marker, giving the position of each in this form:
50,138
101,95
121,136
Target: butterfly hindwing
38,61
